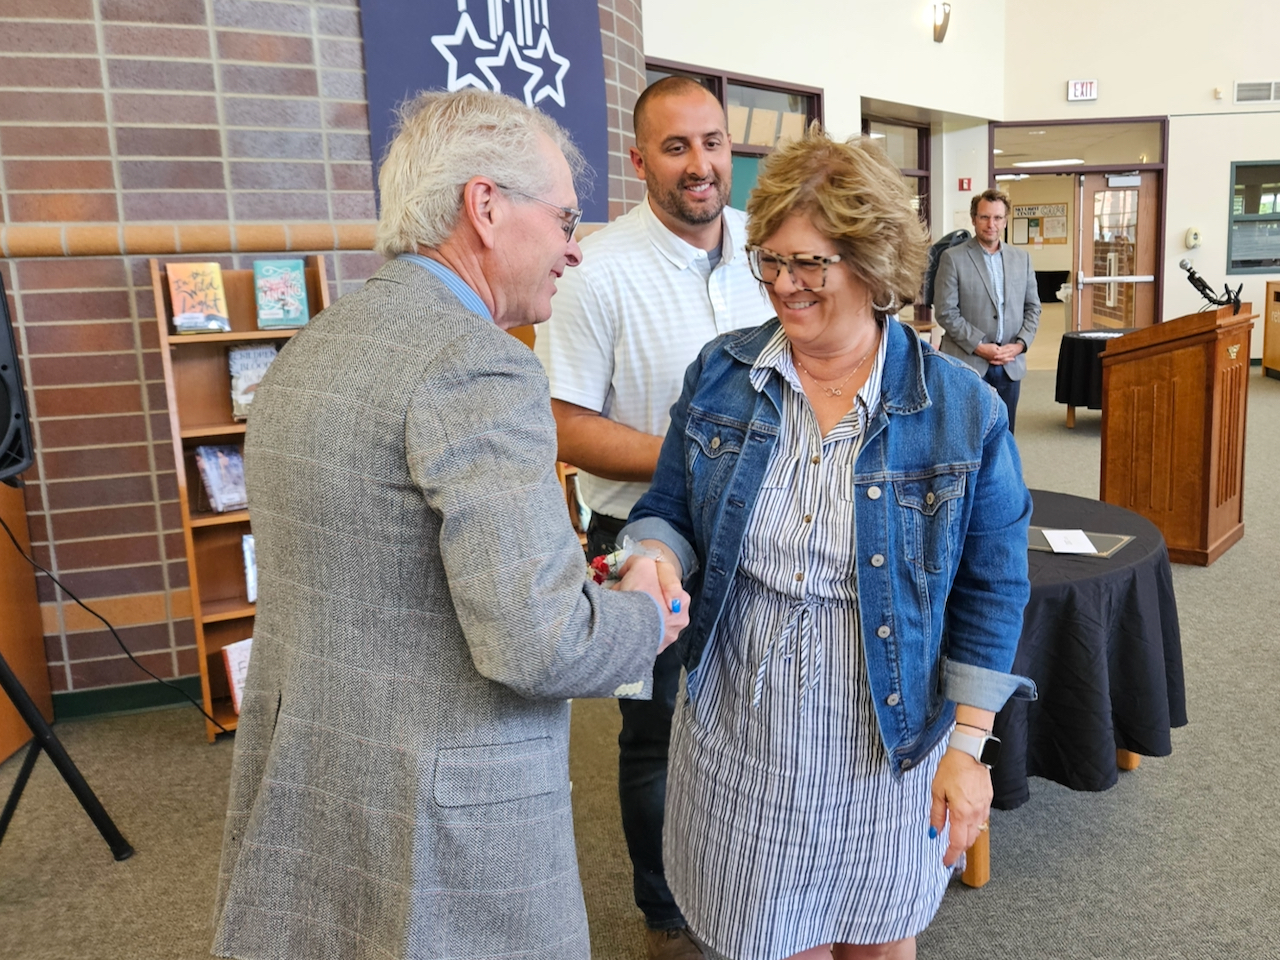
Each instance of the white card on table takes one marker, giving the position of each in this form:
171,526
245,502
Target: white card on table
1069,541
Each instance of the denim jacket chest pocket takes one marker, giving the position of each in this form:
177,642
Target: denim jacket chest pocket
712,447
928,517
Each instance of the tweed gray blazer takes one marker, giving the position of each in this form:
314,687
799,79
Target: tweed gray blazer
400,781
965,306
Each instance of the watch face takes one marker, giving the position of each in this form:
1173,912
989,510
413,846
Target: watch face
990,751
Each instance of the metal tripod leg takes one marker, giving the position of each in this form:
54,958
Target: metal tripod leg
45,740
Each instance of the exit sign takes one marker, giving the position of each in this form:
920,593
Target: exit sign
1082,89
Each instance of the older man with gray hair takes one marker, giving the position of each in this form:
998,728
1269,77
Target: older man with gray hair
400,780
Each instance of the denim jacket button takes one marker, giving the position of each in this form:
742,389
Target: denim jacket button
929,498
715,445
892,699
873,493
877,560
905,765
882,631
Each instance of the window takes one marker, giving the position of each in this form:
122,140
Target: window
1253,244
761,113
908,147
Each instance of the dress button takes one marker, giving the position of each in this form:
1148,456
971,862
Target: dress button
815,459
929,498
873,493
877,560
715,445
808,518
799,577
882,631
892,699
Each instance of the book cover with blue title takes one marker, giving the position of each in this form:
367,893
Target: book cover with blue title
281,288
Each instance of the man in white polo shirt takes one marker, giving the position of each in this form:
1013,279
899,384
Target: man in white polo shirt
654,286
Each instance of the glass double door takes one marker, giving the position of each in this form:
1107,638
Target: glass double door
1115,260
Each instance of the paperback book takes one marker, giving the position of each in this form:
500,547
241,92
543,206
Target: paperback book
236,657
199,299
222,470
248,366
250,569
281,287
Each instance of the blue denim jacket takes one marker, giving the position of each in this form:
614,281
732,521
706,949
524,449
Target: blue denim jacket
941,513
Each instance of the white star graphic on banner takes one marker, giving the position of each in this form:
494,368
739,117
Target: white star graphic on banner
542,53
444,41
508,48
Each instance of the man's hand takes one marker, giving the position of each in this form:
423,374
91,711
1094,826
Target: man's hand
662,582
998,354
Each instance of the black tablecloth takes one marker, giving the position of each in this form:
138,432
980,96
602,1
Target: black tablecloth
1080,367
1100,639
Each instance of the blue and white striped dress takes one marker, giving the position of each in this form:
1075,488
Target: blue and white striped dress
785,827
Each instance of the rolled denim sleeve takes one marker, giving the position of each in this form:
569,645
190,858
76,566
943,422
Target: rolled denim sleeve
655,528
983,688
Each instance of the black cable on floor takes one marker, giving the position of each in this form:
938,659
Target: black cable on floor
134,659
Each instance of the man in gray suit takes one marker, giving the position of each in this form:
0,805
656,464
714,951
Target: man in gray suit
986,301
400,782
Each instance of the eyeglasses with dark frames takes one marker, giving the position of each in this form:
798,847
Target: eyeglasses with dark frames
808,271
570,217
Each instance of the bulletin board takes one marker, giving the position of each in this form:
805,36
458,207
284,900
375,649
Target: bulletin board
1039,223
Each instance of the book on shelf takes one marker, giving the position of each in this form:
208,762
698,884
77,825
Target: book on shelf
222,470
281,288
248,366
199,298
250,568
236,657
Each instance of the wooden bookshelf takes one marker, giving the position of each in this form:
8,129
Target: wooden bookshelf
198,386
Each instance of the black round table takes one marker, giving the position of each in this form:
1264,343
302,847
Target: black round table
1080,369
1100,639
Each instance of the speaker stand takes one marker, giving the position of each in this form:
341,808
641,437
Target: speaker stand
47,741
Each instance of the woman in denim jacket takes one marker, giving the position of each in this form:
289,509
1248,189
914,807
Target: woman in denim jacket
846,507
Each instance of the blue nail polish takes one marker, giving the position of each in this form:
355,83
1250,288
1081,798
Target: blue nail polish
675,605
933,832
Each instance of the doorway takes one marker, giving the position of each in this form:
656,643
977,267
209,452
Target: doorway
1116,220
1088,202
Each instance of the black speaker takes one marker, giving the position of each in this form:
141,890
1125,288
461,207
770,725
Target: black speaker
15,433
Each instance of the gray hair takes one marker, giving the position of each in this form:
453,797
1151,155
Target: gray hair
442,141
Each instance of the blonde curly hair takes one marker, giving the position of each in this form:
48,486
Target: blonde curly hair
854,196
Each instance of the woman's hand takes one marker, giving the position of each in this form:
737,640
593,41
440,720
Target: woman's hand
962,794
662,582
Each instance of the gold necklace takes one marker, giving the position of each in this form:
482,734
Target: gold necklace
836,391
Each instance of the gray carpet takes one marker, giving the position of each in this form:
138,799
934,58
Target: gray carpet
1179,860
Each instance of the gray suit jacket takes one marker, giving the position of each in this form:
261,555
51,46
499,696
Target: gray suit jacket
400,783
965,306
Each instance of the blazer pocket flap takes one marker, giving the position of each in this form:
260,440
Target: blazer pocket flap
494,773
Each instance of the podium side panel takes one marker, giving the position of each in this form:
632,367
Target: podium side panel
1226,468
1156,412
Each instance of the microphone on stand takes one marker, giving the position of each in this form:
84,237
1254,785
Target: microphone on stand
1206,291
1198,281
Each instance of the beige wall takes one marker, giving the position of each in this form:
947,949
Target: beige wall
1149,58
849,48
1048,256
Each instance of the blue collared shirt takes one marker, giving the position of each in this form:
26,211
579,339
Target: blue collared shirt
457,286
995,270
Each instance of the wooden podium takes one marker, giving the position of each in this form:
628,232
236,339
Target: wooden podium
1173,426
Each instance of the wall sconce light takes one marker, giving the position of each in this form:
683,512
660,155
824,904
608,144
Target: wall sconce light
941,20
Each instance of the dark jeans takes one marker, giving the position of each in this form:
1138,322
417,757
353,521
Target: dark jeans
642,766
1007,388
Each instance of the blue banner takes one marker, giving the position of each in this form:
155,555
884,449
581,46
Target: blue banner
544,52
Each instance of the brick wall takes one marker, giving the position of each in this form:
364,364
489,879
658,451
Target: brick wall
184,129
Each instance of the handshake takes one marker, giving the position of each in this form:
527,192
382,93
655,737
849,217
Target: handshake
647,568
